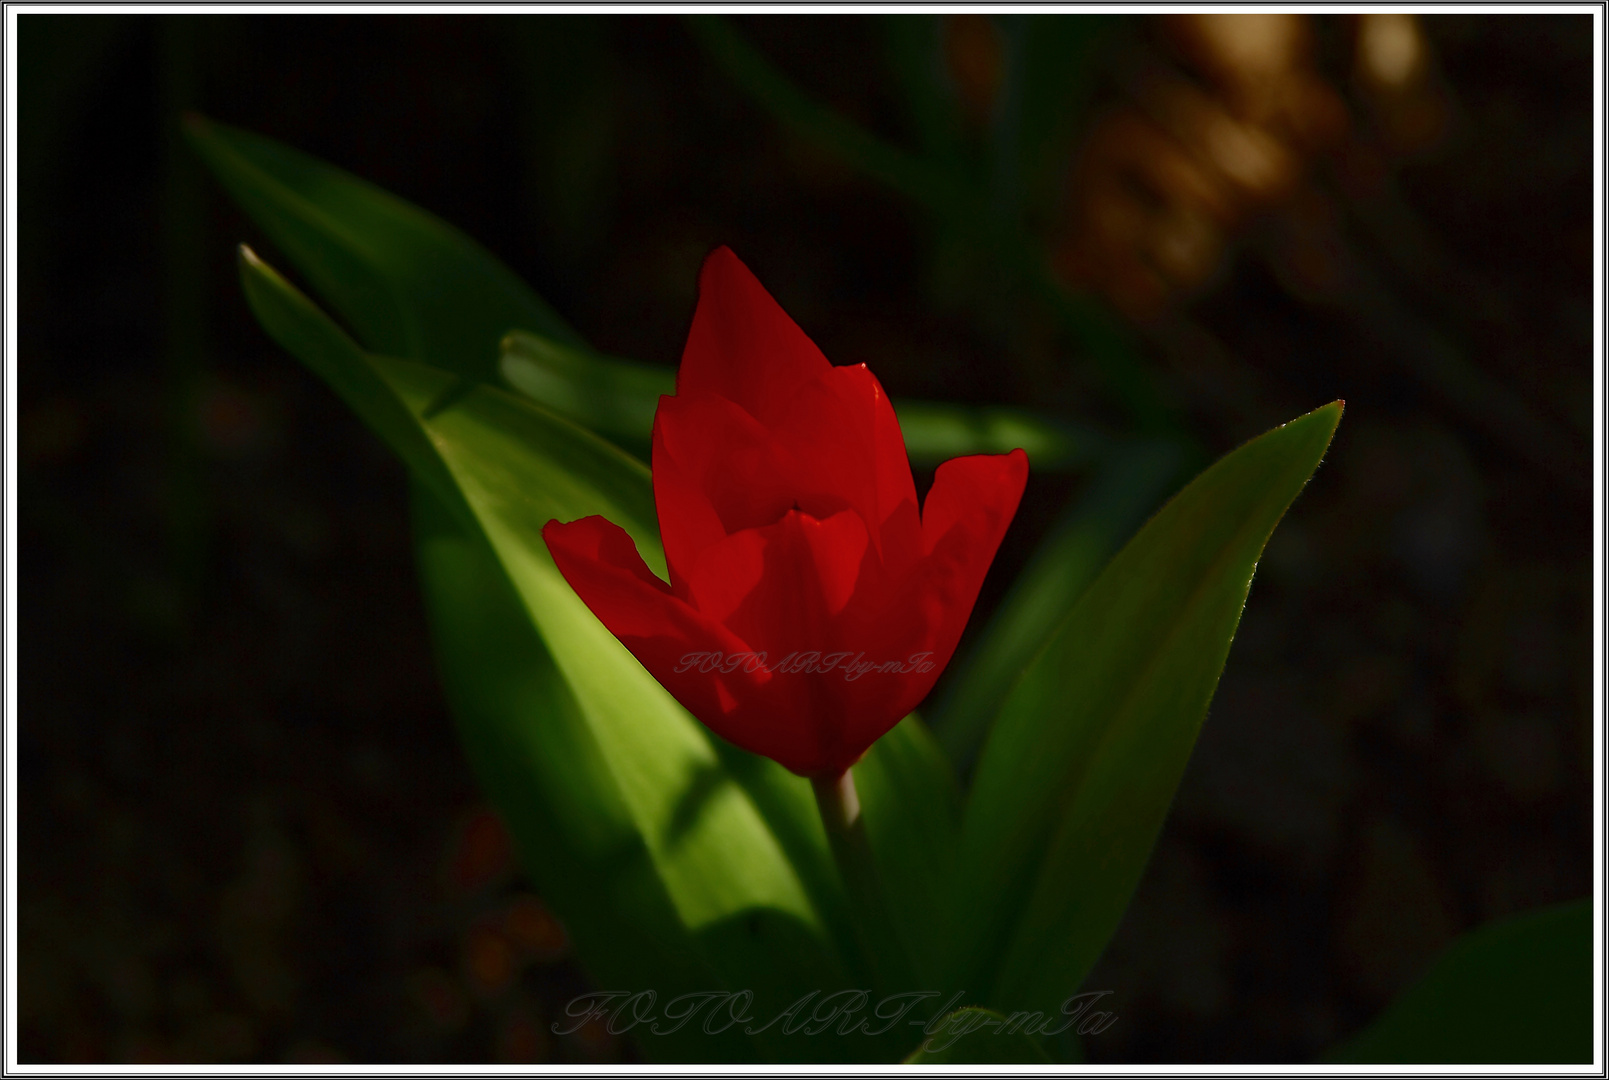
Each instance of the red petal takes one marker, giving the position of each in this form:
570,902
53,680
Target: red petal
972,501
780,588
749,707
687,522
716,452
742,345
842,432
792,590
979,494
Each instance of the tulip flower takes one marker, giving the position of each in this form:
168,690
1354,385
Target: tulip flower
811,604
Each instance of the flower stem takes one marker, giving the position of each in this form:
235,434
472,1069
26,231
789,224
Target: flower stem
873,916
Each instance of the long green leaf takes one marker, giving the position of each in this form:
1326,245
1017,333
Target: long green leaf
411,285
1126,488
1515,992
534,755
384,263
670,845
617,398
913,819
406,282
305,331
1088,748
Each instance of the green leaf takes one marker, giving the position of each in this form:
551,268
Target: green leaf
650,828
977,1036
406,282
493,648
912,812
310,336
410,285
1515,992
1089,746
530,746
617,398
1124,490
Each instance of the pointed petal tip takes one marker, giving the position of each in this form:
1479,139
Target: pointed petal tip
721,259
741,345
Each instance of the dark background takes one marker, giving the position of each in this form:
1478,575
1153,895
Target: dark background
246,831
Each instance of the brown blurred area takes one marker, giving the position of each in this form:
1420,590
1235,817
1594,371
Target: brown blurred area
246,832
1166,181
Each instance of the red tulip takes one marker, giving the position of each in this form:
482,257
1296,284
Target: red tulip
810,604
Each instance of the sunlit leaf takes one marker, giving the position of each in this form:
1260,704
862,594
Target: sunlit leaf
1088,749
650,827
533,752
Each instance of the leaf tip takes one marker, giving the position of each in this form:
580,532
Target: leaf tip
1339,405
1331,413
